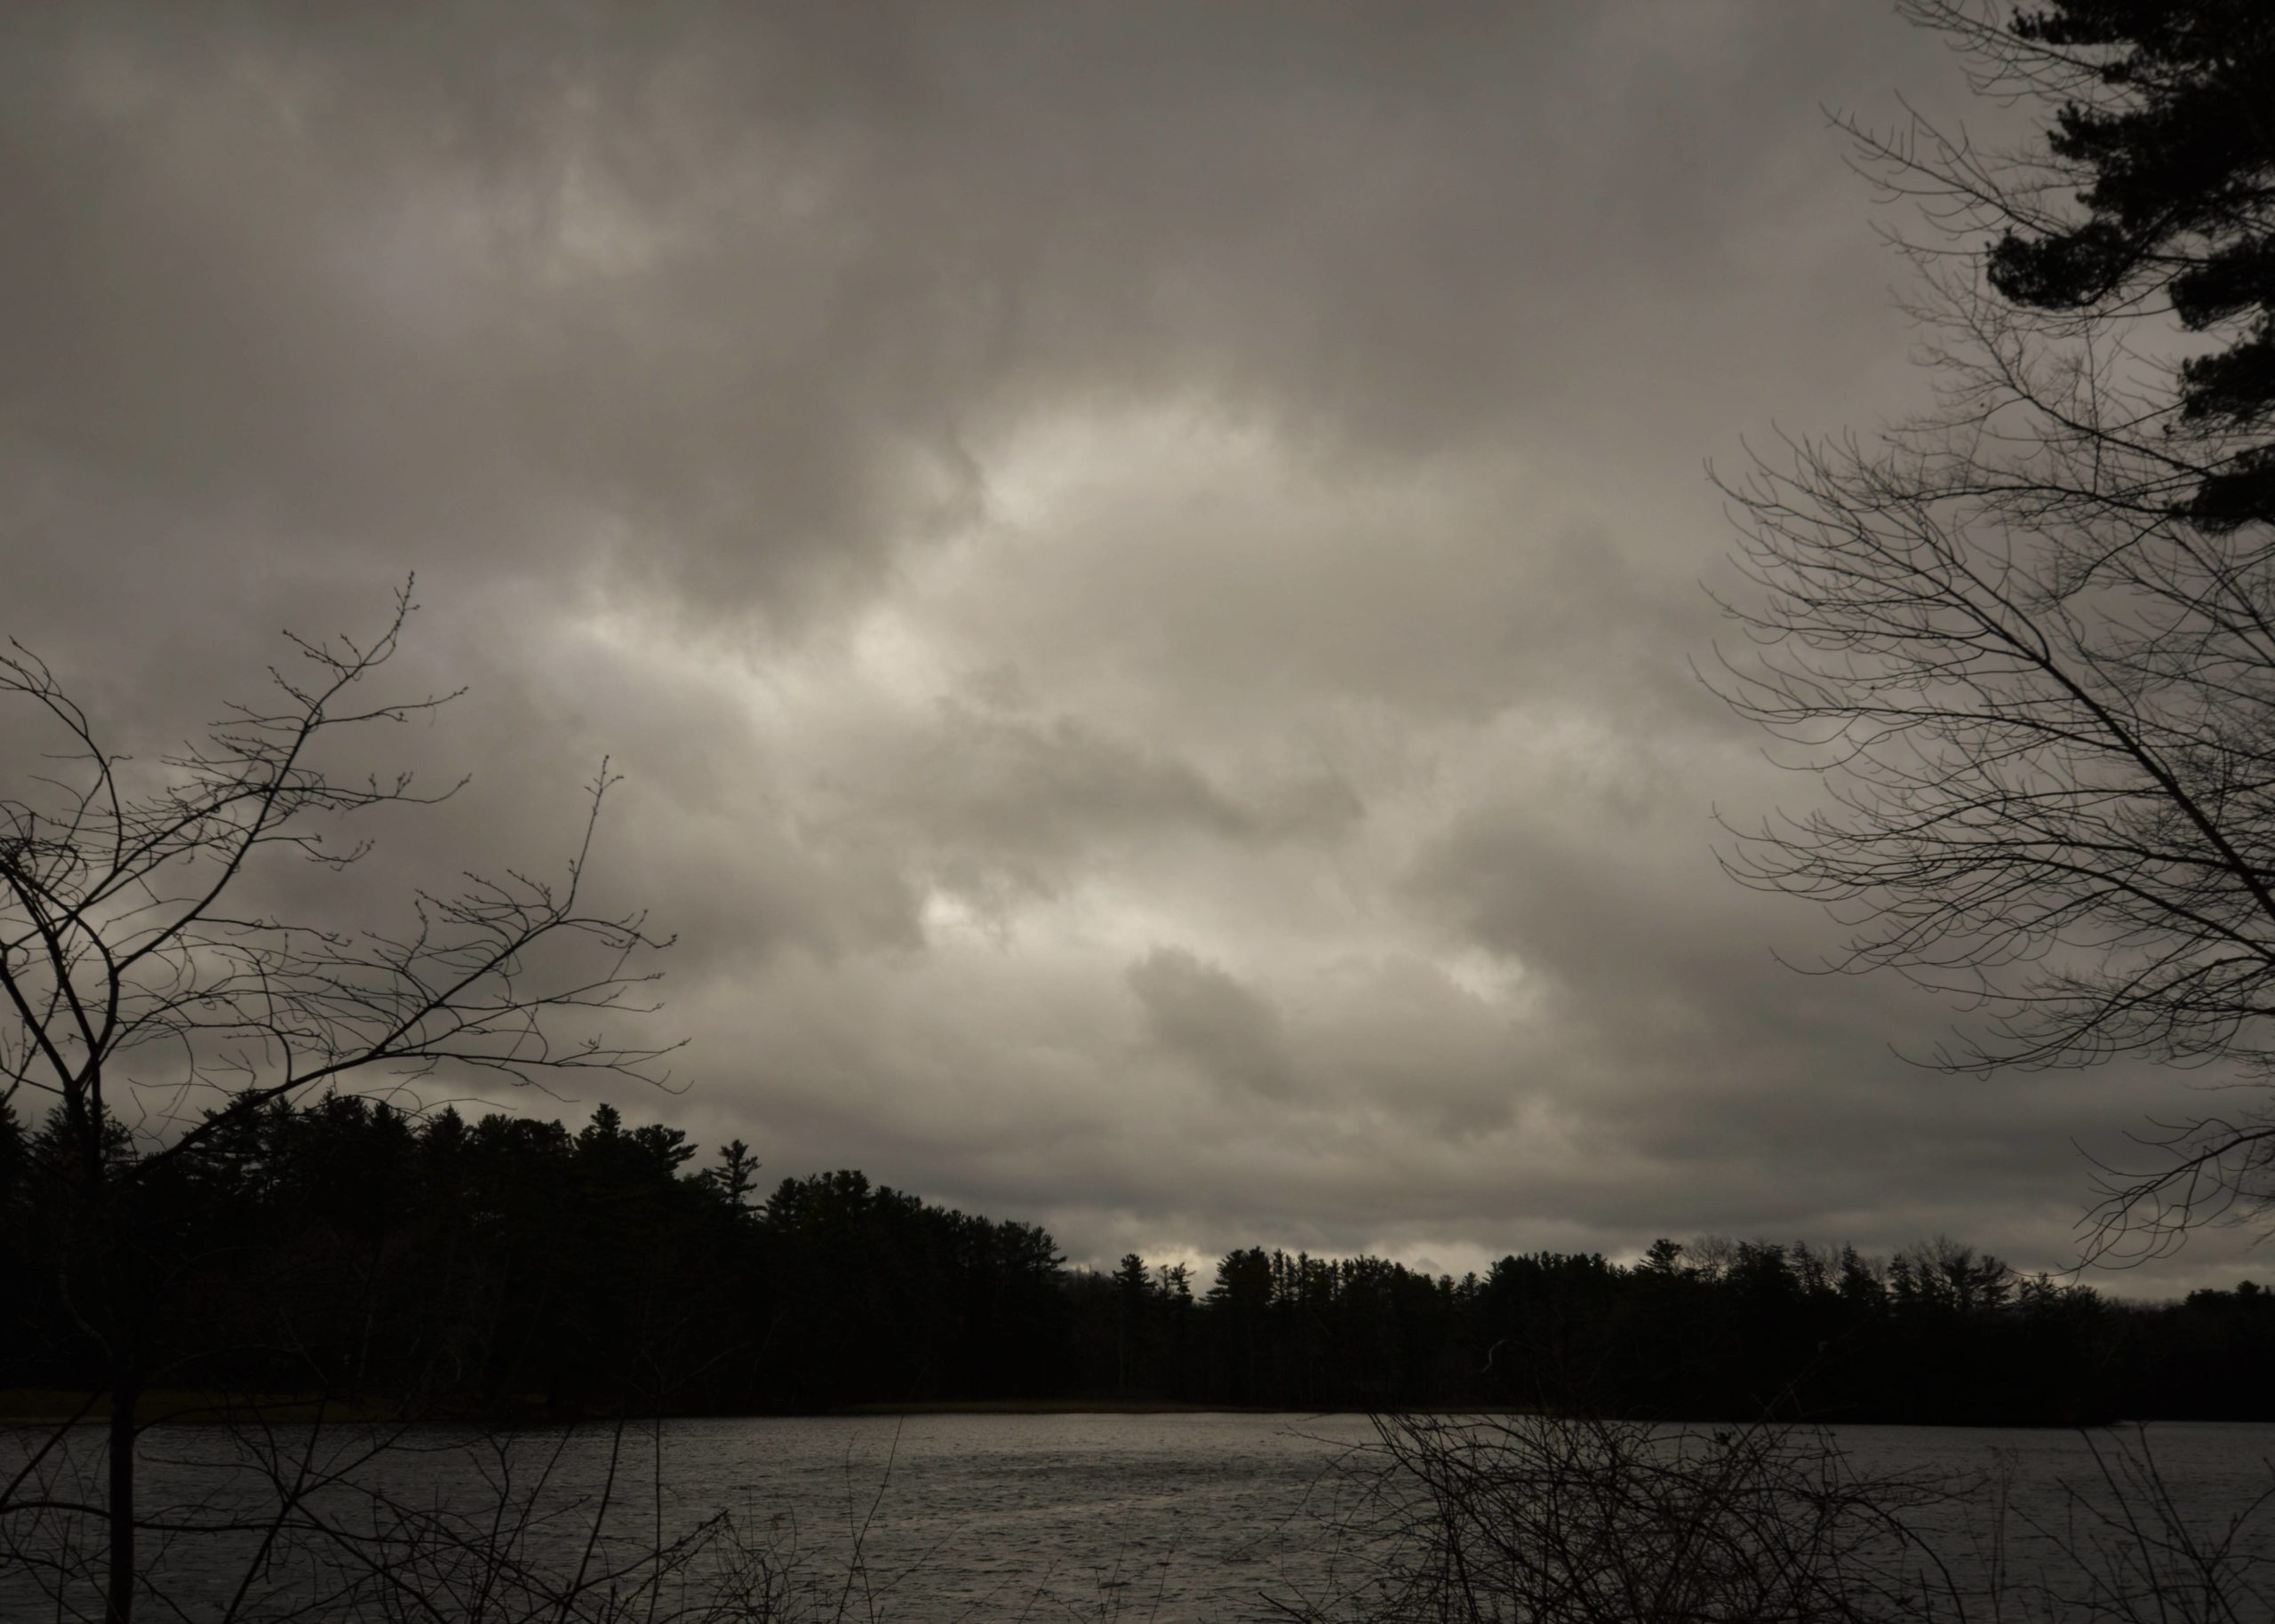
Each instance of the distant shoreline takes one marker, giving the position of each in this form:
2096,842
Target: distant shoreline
21,1407
1061,1406
48,1406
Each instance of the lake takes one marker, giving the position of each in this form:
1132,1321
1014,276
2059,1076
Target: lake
940,1517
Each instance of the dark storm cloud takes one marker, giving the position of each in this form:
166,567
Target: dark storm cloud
1025,801
1139,563
722,299
1199,1013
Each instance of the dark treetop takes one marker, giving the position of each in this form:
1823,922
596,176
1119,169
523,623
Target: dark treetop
431,1264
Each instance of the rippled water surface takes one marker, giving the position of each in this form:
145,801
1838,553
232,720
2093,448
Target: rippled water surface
938,1517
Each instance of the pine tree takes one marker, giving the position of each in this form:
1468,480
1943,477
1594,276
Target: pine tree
2166,126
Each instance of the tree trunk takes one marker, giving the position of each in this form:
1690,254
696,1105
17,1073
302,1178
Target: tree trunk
119,1594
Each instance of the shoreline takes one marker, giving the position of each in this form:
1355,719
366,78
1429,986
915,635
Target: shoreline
52,1406
35,1407
1047,1406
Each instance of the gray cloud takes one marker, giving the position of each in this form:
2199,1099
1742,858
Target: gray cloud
1139,563
1198,1013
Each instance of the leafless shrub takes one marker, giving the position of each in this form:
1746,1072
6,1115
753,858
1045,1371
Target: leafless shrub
1542,1519
2124,1549
1548,1520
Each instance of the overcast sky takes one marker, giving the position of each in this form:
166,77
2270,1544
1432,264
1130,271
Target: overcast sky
1142,563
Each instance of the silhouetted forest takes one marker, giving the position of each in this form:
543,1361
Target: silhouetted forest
508,1265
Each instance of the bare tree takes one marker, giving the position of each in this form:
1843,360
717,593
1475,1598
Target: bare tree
2034,671
147,1002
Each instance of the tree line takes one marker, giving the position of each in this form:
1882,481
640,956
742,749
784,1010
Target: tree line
430,1263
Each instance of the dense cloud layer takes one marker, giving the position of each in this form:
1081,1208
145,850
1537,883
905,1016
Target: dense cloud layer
1141,562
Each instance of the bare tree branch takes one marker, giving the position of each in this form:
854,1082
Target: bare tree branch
158,1013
